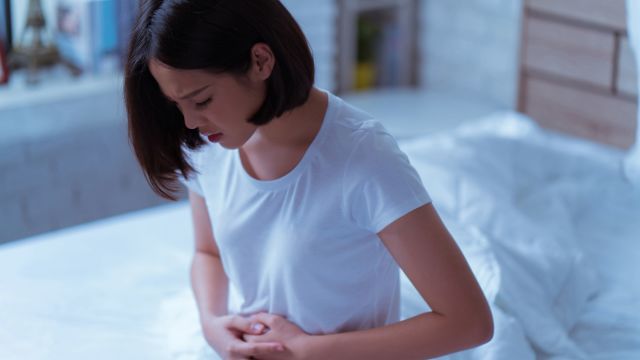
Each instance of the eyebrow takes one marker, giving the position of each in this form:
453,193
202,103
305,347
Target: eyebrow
193,93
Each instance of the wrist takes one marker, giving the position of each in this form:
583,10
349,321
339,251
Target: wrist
209,324
310,347
207,317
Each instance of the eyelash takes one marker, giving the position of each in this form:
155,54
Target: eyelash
203,104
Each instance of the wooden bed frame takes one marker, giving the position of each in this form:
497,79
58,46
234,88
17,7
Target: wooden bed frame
577,71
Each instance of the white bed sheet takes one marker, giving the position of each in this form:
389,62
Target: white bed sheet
549,226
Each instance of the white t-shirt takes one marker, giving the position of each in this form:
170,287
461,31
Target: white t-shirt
304,245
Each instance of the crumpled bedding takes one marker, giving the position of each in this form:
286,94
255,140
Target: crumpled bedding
525,206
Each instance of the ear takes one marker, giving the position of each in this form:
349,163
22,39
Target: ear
262,61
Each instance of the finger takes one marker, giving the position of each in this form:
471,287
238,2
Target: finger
241,324
257,338
246,349
265,318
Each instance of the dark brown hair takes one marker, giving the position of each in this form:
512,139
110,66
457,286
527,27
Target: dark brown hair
212,35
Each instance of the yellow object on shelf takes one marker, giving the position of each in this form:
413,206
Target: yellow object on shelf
365,76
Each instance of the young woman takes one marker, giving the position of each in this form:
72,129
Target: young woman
303,207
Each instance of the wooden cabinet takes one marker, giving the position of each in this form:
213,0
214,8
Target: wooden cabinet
578,74
595,13
581,112
571,52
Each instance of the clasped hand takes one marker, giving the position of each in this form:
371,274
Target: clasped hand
261,336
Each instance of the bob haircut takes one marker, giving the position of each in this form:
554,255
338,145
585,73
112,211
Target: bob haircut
210,35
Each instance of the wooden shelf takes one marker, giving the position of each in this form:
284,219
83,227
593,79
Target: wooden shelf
404,15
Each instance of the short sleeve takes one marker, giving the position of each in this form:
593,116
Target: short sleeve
193,182
380,184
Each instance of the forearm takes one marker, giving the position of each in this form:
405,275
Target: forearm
424,336
209,284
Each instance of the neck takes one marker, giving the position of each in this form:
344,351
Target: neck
295,127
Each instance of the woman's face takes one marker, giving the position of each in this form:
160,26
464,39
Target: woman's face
218,105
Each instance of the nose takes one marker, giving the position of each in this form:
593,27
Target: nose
192,121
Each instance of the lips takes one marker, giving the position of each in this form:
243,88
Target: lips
214,137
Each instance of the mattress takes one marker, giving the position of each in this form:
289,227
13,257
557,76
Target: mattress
547,222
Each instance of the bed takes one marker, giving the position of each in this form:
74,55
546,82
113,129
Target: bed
547,222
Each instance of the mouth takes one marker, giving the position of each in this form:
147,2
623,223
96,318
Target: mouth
214,137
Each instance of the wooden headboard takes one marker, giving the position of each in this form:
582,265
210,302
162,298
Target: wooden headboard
577,72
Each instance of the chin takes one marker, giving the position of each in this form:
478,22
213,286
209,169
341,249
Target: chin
229,145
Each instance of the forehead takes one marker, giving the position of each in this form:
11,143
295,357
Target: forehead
177,82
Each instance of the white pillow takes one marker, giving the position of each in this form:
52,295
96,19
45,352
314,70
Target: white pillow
632,160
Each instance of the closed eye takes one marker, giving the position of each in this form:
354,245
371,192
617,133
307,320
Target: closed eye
203,104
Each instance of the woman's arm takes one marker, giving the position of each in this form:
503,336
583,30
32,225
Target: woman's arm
211,289
460,316
429,256
208,279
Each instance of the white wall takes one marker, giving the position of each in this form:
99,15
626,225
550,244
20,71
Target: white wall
318,21
472,46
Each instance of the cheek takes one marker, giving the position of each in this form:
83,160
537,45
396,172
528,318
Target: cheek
218,116
224,110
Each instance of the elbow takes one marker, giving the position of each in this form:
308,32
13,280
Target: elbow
477,326
486,334
485,328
